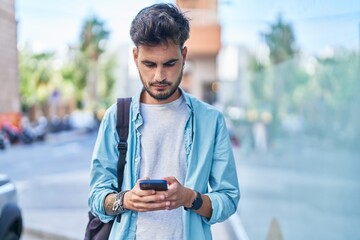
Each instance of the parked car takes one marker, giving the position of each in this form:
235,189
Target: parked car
11,223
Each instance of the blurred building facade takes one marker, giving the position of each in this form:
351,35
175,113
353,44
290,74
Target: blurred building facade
200,73
9,73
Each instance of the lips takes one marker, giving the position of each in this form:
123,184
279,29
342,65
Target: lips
160,85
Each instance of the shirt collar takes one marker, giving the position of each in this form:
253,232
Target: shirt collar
136,103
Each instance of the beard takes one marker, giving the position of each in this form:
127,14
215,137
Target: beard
161,95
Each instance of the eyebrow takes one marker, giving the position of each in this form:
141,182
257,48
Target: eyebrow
167,62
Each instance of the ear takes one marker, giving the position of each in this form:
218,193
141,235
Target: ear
135,55
184,53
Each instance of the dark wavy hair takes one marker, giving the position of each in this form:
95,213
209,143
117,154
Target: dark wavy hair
159,23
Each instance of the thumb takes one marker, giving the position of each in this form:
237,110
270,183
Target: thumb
170,179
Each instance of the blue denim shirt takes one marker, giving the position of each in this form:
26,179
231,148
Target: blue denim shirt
209,158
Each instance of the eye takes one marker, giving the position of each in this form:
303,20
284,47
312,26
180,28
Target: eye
149,64
170,64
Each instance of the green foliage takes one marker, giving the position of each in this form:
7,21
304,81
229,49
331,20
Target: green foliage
40,76
74,72
281,41
92,45
334,106
36,77
260,85
92,38
325,99
107,80
274,84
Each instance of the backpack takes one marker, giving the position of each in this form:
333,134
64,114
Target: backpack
95,229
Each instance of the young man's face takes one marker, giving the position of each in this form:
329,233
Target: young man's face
160,68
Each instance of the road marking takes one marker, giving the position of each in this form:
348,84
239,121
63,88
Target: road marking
78,177
238,227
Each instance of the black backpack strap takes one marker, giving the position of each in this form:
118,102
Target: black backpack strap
122,128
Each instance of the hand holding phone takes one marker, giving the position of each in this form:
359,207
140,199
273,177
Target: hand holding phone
153,184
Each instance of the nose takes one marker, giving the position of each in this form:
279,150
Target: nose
159,74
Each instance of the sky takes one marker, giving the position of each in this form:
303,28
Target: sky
317,24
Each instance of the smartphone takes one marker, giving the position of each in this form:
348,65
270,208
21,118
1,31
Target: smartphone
153,184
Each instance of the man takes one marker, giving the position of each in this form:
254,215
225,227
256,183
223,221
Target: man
172,136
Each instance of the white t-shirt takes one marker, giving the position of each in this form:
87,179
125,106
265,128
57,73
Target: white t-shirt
162,155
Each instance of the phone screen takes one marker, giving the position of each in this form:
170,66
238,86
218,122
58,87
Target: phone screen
153,184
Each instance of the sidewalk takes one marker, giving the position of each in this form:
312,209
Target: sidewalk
220,231
68,221
65,216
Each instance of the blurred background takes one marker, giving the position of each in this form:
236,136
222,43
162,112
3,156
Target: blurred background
286,74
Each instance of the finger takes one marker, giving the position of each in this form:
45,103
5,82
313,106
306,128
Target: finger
138,181
148,196
170,179
154,206
143,193
138,191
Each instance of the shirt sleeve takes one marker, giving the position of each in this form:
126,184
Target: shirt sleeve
103,172
223,181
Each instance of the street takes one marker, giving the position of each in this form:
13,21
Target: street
302,191
311,190
52,180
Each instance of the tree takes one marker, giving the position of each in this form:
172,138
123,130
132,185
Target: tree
281,41
332,102
260,83
75,72
93,37
92,45
282,47
108,79
36,78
